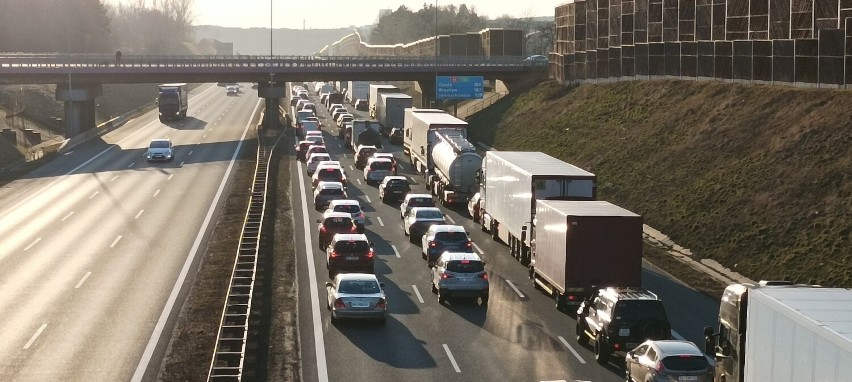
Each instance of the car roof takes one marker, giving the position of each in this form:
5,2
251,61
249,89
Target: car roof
384,155
367,147
676,347
452,256
327,185
330,163
319,133
447,228
346,202
357,276
350,237
306,142
374,159
416,209
161,140
412,196
319,155
335,214
399,177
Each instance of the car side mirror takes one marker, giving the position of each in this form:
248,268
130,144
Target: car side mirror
319,221
329,284
631,354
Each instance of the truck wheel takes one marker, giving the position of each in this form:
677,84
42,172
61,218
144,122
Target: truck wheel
560,302
494,235
602,350
582,339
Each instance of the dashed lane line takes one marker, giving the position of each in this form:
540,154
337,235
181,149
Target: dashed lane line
452,359
35,336
85,277
514,288
571,349
417,292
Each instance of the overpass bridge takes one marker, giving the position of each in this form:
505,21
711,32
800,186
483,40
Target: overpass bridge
79,78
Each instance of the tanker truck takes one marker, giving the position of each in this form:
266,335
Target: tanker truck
456,164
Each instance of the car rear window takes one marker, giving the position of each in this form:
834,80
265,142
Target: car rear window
329,173
640,310
358,287
685,362
451,236
331,191
352,247
421,202
367,152
350,208
465,266
397,183
338,222
429,214
381,165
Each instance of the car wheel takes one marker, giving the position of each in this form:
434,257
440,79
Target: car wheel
582,339
412,239
602,350
484,300
442,295
334,320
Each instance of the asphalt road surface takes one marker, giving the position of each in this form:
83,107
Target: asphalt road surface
96,245
519,336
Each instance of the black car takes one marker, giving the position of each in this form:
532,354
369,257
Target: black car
395,137
619,319
394,188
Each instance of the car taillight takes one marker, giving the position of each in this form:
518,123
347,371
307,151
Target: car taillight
339,304
469,244
322,229
370,254
483,276
333,254
353,229
446,275
661,370
381,304
433,244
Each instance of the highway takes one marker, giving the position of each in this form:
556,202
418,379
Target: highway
519,336
97,244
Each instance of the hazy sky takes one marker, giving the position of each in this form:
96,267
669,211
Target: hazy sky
340,13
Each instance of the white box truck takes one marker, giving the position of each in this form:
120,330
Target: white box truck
407,122
375,90
357,90
420,136
456,165
390,111
510,184
780,332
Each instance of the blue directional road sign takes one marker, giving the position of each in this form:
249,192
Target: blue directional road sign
458,87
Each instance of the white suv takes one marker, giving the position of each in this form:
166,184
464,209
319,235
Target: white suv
160,149
460,274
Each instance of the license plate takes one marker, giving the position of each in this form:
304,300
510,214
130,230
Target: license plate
358,304
351,257
687,378
466,280
624,332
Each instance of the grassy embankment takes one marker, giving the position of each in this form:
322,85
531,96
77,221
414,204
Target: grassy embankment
755,177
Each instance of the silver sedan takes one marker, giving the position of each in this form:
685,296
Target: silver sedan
356,296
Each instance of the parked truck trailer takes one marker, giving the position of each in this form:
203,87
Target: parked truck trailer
375,90
578,246
390,111
456,165
173,101
420,136
777,331
510,184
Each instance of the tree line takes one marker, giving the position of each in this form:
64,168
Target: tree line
90,26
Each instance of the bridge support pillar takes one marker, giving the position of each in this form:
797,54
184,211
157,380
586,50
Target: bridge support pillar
272,93
79,106
426,88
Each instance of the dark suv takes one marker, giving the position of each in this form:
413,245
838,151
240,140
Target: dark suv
349,252
619,319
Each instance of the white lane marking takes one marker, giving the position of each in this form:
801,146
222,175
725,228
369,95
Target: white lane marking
676,335
171,176
32,244
176,289
574,352
319,342
368,198
452,360
156,193
67,216
381,223
93,195
481,252
131,165
190,153
181,164
138,214
395,251
115,242
114,178
450,219
401,167
417,292
35,336
85,277
359,181
344,155
514,288
205,136
351,168
339,145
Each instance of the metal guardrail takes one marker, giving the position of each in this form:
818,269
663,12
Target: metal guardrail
229,356
482,104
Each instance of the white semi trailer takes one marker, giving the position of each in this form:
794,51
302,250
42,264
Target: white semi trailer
510,184
779,332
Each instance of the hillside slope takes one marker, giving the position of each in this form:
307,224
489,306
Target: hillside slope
758,178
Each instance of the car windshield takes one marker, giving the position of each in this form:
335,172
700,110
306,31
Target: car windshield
381,165
640,310
352,247
350,208
465,266
358,287
451,236
338,222
429,214
685,362
159,145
